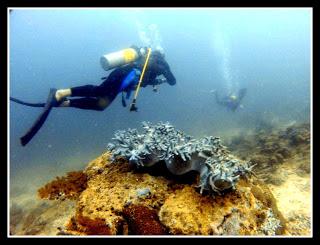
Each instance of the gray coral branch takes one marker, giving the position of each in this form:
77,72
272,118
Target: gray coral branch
218,169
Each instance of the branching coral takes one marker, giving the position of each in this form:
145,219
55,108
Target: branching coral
271,224
219,171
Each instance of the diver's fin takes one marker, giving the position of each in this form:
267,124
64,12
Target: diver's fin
27,103
51,102
35,104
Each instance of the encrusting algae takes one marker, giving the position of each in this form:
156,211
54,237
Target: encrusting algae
69,186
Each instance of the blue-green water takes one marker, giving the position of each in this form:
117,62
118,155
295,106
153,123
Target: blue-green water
267,51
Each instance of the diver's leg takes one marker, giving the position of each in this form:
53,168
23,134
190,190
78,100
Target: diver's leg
81,91
98,104
87,91
110,87
86,104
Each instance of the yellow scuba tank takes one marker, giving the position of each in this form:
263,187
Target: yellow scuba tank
119,58
233,97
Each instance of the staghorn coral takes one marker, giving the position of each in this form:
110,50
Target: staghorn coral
219,170
69,186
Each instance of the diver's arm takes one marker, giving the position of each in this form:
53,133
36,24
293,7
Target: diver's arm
158,81
166,72
170,77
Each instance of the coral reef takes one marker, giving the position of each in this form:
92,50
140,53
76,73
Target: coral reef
127,192
269,150
297,135
271,224
219,170
69,186
283,160
134,202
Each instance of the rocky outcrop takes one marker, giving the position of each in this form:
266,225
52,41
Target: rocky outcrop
126,194
120,200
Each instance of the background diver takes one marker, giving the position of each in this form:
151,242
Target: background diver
123,79
231,101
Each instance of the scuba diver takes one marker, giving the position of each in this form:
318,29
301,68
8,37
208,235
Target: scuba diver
231,101
123,79
130,64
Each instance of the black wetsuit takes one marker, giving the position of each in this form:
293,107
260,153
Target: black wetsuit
110,88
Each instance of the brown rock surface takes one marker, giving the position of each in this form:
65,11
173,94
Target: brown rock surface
116,187
143,221
128,201
237,213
